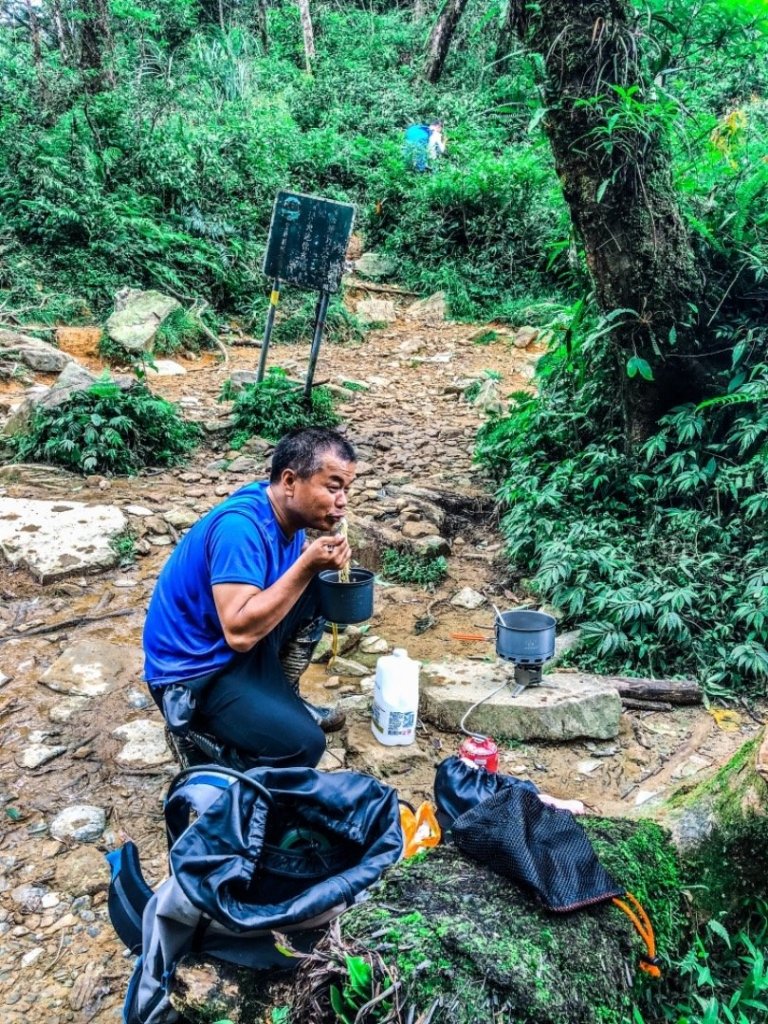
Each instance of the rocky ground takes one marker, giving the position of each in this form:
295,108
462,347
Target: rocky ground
84,763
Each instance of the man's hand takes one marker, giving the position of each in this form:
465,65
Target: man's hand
329,552
248,614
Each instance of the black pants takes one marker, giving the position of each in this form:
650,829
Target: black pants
251,705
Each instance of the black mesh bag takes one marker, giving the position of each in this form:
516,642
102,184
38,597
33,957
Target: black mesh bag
547,850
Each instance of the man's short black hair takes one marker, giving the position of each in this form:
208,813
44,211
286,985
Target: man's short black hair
303,451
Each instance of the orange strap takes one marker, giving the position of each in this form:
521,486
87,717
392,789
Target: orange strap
420,828
650,962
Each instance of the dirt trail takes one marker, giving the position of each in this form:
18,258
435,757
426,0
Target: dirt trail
59,959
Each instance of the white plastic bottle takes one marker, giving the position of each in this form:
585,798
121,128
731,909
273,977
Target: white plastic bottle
396,698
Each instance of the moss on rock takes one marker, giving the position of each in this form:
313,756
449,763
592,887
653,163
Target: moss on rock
457,931
722,831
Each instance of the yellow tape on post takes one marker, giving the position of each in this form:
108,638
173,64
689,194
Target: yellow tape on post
274,298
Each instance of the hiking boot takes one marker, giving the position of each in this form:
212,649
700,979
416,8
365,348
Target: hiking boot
185,751
329,719
295,659
297,652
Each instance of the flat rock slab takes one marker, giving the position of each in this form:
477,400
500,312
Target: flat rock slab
568,706
38,355
83,823
38,754
59,538
91,668
144,743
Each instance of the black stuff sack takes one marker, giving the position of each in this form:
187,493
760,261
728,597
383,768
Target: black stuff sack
461,785
544,849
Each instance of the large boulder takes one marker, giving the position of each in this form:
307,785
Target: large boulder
137,317
720,827
72,378
32,352
431,310
375,266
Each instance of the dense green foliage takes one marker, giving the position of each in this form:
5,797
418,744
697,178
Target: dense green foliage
168,178
159,168
295,317
409,567
659,550
277,405
180,330
657,545
107,429
722,979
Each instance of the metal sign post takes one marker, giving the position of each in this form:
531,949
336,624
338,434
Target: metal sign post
307,246
321,310
274,298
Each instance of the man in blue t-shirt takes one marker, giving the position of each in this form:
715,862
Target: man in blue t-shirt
424,144
236,597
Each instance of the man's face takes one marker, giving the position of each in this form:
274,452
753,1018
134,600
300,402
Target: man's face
320,501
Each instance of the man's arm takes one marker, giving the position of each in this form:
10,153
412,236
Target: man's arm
247,614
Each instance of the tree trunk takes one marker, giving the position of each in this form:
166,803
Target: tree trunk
506,38
96,46
673,691
261,24
308,33
440,38
63,37
611,153
34,34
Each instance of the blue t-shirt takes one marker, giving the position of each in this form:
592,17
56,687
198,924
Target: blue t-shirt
239,541
417,135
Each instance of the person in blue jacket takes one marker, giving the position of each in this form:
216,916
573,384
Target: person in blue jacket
424,143
234,616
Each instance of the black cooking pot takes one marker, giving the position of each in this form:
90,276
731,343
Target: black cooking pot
346,603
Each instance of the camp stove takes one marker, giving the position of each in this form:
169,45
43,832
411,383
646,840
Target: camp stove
527,639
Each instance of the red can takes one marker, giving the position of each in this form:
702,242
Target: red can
482,750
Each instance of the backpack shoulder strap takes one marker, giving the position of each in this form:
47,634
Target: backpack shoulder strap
128,895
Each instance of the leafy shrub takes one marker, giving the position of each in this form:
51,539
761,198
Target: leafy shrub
722,979
108,430
277,405
294,320
660,552
471,391
180,330
124,546
116,354
408,567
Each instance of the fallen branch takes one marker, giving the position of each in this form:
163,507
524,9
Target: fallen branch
645,705
197,312
54,627
672,691
356,284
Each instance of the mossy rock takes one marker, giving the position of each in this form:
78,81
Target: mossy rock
721,829
472,947
457,931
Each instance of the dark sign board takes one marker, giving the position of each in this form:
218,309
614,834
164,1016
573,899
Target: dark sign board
308,240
